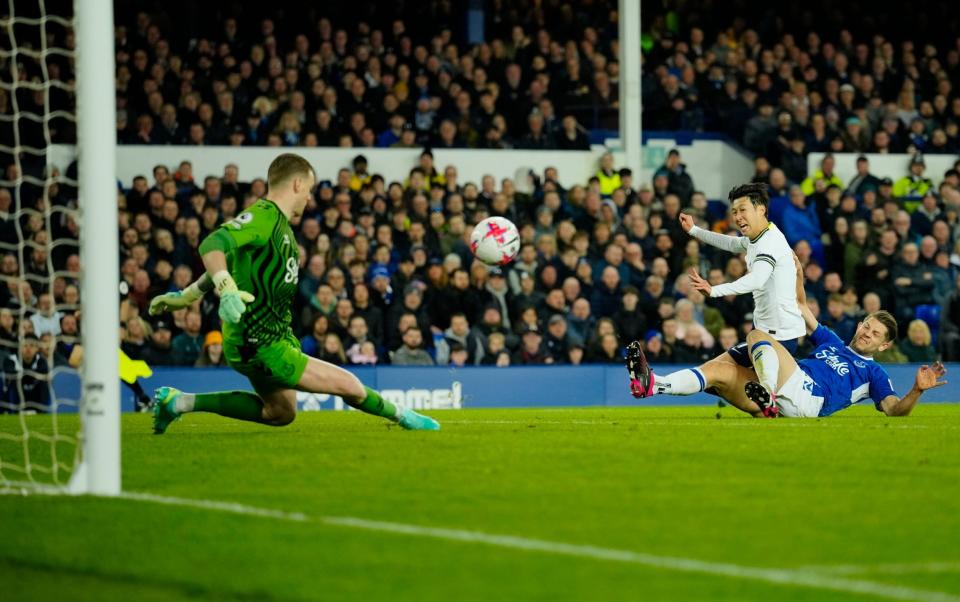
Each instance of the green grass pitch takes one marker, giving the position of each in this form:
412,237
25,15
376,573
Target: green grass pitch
827,505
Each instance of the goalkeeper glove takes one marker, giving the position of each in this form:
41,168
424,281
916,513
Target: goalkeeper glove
233,301
175,300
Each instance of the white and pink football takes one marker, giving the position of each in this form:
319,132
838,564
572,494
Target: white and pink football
495,241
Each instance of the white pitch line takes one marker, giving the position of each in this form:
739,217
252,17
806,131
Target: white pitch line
778,576
901,568
230,507
806,577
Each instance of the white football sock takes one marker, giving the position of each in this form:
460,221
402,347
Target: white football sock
184,402
682,382
767,364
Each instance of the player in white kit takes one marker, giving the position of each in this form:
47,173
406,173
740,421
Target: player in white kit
772,281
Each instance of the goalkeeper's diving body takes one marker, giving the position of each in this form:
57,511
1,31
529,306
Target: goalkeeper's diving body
252,263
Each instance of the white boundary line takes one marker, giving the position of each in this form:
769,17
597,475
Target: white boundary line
811,576
808,577
900,568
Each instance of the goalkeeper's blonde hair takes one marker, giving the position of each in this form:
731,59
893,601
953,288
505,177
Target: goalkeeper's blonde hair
288,166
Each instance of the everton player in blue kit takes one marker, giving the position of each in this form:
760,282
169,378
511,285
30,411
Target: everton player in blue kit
837,375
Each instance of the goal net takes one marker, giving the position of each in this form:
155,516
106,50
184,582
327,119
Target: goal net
54,264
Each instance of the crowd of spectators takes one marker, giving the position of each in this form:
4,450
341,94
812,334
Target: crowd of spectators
369,78
811,77
387,275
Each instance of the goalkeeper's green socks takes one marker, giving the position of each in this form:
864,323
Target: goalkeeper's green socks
375,404
241,405
244,405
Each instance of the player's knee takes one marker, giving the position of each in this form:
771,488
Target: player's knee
284,418
755,336
280,415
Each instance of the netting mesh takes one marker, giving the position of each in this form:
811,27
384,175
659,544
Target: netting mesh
39,427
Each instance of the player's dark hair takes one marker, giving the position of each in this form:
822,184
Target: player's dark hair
287,166
755,191
888,321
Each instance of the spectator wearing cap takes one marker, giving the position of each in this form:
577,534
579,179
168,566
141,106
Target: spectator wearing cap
160,352
499,292
913,185
212,353
531,350
854,135
657,351
885,192
821,178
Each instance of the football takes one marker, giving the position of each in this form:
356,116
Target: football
495,241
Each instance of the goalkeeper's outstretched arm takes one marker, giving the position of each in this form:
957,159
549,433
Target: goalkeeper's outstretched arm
178,299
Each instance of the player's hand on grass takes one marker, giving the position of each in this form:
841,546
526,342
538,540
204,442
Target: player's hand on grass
928,377
233,301
686,222
699,283
168,302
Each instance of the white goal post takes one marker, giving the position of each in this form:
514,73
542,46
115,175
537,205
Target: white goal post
99,471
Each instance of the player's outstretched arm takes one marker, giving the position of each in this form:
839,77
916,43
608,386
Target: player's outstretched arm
179,299
928,377
754,279
732,244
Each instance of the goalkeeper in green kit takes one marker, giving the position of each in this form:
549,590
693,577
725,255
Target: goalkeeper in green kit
252,263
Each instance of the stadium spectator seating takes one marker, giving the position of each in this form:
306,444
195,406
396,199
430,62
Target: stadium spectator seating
379,257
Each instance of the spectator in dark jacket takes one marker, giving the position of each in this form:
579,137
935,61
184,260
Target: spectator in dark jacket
606,296
680,182
26,372
531,350
913,281
631,322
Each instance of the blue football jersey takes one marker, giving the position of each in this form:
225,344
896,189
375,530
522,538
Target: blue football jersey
843,377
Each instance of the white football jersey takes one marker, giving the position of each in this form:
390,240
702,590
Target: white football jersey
772,278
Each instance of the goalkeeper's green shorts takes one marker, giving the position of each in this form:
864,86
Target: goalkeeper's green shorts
277,365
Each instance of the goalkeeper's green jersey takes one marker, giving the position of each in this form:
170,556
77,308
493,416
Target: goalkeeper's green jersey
263,258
